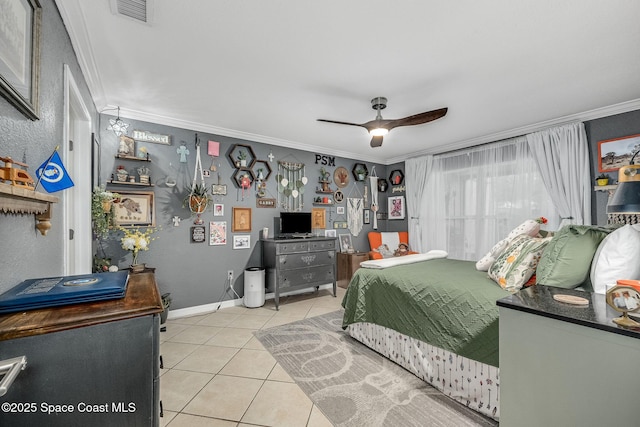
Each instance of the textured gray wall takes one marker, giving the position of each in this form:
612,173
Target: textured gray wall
601,129
195,273
24,253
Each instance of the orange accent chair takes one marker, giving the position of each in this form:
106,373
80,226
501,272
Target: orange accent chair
375,241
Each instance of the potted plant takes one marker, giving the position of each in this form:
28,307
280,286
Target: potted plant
602,179
102,212
121,173
134,241
361,173
198,198
242,157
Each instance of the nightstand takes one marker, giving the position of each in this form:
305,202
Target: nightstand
348,264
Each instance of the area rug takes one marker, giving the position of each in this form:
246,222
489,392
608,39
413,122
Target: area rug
355,386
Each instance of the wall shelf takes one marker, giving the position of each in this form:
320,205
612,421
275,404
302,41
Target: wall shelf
19,200
129,183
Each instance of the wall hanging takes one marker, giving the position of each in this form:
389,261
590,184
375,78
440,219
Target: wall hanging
217,233
241,219
291,180
198,198
396,207
374,182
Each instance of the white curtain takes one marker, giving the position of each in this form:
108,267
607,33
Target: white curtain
417,172
473,198
562,156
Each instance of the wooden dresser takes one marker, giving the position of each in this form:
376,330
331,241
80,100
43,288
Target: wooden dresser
91,364
347,265
294,264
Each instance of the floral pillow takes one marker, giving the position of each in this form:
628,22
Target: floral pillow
530,227
384,251
518,262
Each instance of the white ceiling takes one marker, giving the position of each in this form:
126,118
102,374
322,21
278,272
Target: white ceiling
266,70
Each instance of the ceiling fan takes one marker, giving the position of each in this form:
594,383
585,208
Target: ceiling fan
380,127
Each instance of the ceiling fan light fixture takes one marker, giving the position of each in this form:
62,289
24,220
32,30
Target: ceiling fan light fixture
378,132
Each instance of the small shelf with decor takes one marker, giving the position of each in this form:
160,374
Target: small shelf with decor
138,159
128,183
19,200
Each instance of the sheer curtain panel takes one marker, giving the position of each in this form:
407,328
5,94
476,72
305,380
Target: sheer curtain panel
417,173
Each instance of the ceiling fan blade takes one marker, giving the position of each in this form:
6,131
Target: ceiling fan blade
376,141
340,123
418,119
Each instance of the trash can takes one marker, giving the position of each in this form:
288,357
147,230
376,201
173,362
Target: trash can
254,287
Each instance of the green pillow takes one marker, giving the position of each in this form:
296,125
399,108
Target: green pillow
566,261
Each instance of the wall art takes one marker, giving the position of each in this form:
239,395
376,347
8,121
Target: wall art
396,207
615,153
154,138
217,233
319,217
218,209
241,241
20,58
134,209
198,234
241,219
266,202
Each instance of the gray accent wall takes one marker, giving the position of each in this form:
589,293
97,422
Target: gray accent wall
195,273
25,253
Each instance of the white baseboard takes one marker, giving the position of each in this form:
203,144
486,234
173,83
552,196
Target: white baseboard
213,307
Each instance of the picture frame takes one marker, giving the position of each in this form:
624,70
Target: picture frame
318,216
127,146
135,209
198,234
346,244
266,202
241,241
330,233
340,210
20,55
241,219
219,189
366,216
396,207
217,233
218,209
616,153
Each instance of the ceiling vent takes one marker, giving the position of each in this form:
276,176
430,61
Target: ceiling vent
140,10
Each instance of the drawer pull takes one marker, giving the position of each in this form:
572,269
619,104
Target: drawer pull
11,368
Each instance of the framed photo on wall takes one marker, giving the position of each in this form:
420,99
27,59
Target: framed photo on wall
241,219
241,241
217,233
20,54
396,207
345,243
616,153
135,209
318,216
366,216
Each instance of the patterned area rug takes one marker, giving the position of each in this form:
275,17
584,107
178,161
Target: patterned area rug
355,386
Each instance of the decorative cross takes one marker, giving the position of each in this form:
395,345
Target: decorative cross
270,156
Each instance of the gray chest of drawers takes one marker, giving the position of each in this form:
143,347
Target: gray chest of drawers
299,263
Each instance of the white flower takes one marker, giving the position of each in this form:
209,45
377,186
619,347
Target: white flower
128,243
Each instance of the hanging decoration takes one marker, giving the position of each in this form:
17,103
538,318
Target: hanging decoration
354,215
198,197
373,182
213,149
183,152
291,180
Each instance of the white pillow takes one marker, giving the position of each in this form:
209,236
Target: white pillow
617,257
530,227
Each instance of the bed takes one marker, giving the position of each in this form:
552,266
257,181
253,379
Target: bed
438,319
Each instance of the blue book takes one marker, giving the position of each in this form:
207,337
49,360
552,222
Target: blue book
46,292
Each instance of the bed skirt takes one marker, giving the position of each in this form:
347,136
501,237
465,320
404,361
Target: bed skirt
474,384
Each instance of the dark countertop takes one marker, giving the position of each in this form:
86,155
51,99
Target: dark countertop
539,300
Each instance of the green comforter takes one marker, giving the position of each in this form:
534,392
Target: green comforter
444,302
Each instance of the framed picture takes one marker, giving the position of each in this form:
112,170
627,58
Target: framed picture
265,202
127,146
217,233
241,241
340,210
241,219
345,243
218,209
319,218
396,207
366,216
330,233
615,153
135,209
20,54
219,189
340,224
198,234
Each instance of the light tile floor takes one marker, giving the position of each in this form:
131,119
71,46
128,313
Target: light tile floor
216,373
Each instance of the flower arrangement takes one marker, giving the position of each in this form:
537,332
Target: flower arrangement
542,220
135,240
102,213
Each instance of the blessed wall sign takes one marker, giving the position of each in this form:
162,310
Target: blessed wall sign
155,138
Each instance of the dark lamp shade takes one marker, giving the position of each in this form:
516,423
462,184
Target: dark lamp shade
627,196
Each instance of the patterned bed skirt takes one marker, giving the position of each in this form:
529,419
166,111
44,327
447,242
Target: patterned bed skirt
474,384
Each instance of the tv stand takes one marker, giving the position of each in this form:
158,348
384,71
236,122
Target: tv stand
299,263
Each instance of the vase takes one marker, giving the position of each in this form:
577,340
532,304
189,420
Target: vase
106,206
122,176
197,204
602,181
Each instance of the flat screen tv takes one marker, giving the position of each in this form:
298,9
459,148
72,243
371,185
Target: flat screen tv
295,223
